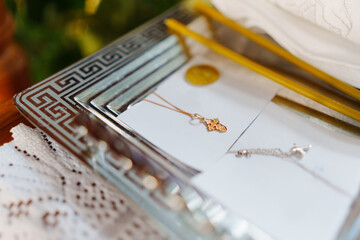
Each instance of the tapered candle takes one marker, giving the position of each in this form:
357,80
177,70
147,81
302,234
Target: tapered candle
216,15
180,28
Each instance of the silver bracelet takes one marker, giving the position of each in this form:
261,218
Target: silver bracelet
296,151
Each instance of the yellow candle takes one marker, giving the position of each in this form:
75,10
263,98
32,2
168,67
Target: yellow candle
214,14
180,28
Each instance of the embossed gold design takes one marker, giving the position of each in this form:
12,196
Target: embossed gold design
202,74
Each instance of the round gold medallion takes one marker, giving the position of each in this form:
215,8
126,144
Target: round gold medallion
202,74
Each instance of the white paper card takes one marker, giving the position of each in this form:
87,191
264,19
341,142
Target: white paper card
236,99
281,197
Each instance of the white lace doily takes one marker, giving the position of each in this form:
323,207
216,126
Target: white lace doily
45,193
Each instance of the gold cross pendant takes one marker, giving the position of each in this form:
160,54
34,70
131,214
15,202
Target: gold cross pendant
214,125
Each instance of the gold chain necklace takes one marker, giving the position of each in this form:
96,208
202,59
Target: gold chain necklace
212,124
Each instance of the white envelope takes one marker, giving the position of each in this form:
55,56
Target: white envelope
282,198
236,99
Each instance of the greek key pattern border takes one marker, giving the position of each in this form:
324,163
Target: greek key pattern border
50,104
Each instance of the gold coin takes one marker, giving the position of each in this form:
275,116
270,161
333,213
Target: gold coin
202,74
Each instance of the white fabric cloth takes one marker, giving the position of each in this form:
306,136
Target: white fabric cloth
338,16
324,33
45,193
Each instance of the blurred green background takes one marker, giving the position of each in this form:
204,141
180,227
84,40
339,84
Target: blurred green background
56,33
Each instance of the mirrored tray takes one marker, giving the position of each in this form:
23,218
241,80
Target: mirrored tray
99,88
78,108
